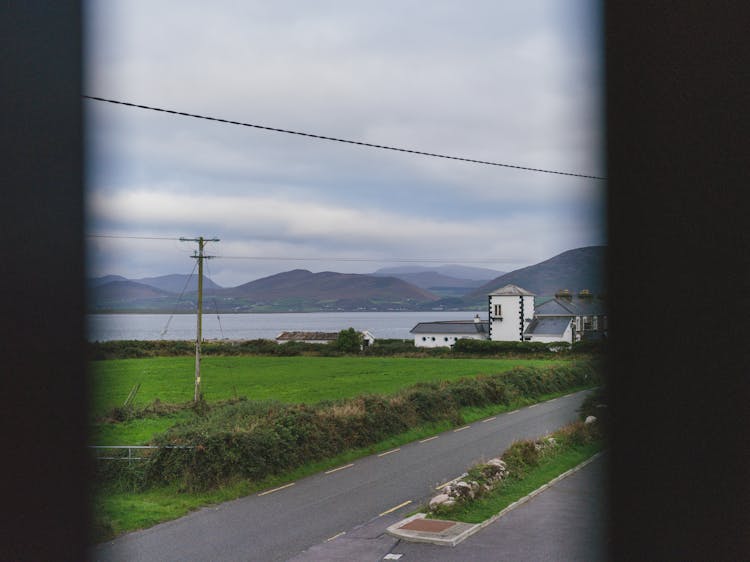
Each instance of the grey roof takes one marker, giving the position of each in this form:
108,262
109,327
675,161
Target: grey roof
302,336
573,307
589,307
451,327
552,326
512,290
555,307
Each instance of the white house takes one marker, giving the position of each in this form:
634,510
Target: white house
320,337
511,310
549,329
585,314
367,338
447,332
513,316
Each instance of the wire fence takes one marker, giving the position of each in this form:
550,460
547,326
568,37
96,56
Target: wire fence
139,449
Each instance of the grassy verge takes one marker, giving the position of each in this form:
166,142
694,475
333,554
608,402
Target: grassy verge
478,510
118,511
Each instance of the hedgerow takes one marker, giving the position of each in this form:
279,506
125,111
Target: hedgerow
489,347
128,349
253,440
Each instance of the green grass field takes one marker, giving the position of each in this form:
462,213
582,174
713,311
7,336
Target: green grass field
286,379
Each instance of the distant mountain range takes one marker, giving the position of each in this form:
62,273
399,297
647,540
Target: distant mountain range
330,291
443,280
398,288
575,270
455,271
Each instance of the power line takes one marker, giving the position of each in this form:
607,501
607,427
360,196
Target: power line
184,288
131,237
347,141
315,259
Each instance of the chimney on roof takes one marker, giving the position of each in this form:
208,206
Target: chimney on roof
563,294
477,320
585,294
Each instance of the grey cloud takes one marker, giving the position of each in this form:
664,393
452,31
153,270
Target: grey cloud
505,82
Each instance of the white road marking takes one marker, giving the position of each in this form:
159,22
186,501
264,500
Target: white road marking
393,557
513,412
461,428
389,452
336,536
450,481
339,468
533,405
429,439
276,489
489,419
399,506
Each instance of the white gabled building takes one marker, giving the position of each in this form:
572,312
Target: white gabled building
586,315
547,330
321,337
512,316
445,333
511,310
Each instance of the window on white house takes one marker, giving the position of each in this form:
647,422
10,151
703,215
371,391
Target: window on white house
445,338
433,339
498,310
424,338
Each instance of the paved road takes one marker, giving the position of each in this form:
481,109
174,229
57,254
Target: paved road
566,522
283,523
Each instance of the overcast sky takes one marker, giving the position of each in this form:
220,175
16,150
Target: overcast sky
511,82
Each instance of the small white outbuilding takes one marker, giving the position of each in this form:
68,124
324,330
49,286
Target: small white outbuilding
445,333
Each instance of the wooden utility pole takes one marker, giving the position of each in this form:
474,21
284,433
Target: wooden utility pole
199,316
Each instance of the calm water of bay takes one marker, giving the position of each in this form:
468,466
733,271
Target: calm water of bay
106,327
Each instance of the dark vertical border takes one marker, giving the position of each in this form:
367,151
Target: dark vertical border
43,382
677,278
489,313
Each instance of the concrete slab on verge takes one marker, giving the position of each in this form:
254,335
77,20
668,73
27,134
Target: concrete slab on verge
417,529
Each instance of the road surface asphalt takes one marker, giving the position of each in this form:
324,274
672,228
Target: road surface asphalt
280,524
566,522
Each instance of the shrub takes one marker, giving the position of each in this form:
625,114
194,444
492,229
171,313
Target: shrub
590,346
349,341
388,347
579,433
488,347
521,456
